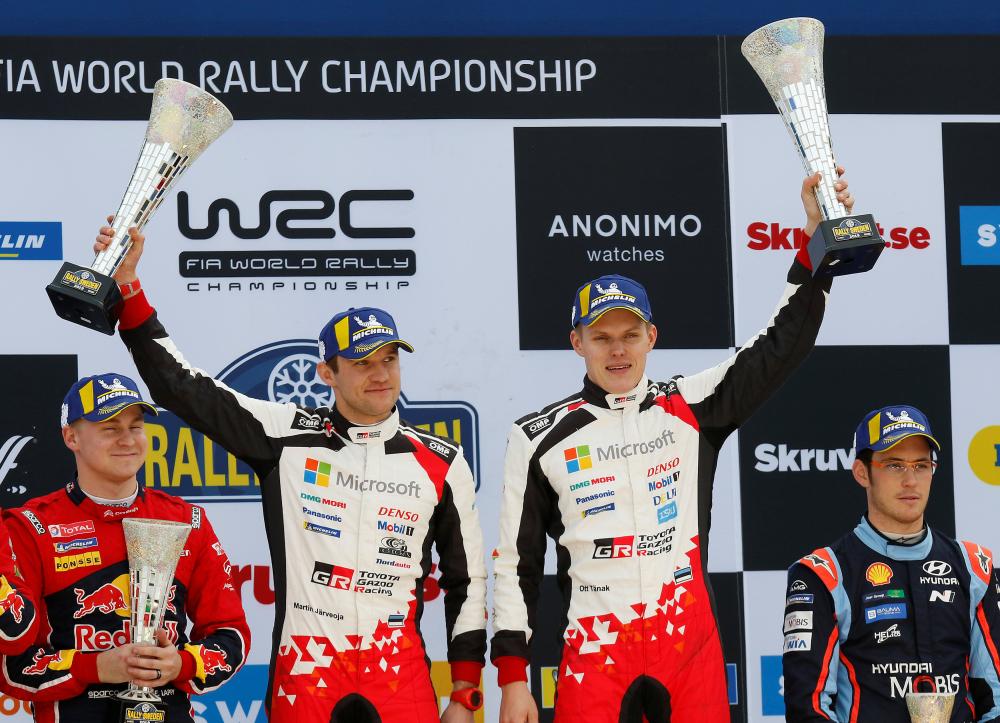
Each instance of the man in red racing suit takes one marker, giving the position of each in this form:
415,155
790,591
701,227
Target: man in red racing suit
18,618
620,476
70,547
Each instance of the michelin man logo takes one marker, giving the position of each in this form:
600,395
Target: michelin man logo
322,350
612,289
903,416
372,322
116,385
64,416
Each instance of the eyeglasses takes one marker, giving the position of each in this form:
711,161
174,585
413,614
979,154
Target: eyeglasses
898,469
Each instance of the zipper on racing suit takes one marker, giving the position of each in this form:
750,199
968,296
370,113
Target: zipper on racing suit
631,435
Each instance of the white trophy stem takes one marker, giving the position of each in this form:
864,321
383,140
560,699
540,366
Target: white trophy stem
157,169
805,115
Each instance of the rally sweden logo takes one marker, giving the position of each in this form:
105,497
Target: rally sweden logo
182,461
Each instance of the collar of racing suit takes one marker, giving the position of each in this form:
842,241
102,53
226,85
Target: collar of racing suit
636,396
884,546
365,434
108,513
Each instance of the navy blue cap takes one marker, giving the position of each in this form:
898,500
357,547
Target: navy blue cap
599,296
102,397
357,333
886,427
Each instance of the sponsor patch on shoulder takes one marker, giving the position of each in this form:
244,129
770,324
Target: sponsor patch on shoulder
305,421
797,642
35,522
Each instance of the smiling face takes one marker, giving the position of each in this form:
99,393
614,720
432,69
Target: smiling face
614,349
108,453
898,484
366,389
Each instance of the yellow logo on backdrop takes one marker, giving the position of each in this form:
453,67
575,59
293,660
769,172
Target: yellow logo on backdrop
175,462
441,680
984,454
451,428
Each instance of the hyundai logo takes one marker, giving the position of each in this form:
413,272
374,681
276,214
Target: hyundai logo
936,568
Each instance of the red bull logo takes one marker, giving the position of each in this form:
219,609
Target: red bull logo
43,661
111,597
208,661
90,638
14,603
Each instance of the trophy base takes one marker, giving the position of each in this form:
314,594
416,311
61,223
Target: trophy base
849,245
143,712
85,297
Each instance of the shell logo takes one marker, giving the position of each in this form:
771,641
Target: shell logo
878,574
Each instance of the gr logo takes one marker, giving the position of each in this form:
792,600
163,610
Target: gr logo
611,547
333,576
978,230
299,206
984,455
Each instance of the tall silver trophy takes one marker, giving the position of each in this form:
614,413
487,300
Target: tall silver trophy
183,122
154,547
788,57
930,707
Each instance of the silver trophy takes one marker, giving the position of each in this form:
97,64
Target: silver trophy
154,547
930,707
183,122
788,57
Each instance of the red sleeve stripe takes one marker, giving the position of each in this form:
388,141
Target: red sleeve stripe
435,467
824,674
856,704
988,637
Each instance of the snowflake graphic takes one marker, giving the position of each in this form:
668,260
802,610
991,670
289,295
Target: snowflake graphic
294,379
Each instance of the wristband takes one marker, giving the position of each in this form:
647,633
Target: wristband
470,698
130,289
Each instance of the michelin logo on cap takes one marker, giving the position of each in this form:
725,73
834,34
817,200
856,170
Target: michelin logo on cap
100,397
597,297
357,333
884,428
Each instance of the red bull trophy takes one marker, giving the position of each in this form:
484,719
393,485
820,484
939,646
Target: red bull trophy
788,57
183,122
154,547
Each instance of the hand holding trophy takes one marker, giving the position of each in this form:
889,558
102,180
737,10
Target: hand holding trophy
788,57
183,122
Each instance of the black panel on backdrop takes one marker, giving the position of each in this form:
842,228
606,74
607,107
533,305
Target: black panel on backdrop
33,459
645,202
111,78
797,492
885,75
547,642
972,220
